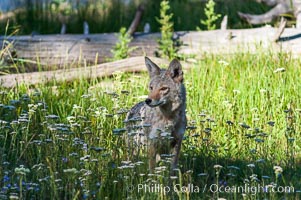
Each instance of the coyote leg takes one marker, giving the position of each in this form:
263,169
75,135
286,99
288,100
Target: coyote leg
176,152
152,153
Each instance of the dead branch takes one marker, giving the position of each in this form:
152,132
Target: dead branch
280,7
134,64
134,25
266,17
224,23
280,29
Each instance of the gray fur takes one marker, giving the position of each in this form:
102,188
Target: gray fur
162,115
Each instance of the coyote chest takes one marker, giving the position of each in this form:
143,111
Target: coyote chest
160,126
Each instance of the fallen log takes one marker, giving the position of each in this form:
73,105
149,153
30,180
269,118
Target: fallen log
233,41
133,64
280,7
64,51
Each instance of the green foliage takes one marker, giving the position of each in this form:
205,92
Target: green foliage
122,49
167,47
66,140
7,58
210,15
62,6
105,16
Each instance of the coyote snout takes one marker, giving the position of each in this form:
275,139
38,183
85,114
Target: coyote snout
162,112
154,103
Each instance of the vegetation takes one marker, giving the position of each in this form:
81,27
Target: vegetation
167,47
211,16
66,140
110,15
122,49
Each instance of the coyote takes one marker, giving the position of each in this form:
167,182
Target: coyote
162,115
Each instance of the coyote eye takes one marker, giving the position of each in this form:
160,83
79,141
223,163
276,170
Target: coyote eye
151,87
164,88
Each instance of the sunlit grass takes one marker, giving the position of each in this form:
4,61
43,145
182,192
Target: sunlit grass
66,140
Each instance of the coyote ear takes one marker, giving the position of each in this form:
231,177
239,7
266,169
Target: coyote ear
152,68
175,71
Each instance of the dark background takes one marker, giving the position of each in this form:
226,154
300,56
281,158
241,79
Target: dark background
46,16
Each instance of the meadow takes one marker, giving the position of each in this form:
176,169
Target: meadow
66,140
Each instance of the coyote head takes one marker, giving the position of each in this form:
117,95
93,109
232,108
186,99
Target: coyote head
165,85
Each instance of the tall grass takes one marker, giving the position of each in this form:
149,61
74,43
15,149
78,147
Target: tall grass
66,140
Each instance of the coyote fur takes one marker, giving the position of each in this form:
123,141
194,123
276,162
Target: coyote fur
161,116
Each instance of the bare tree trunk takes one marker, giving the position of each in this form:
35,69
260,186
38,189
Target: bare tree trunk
135,23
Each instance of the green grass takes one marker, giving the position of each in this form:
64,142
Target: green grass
65,140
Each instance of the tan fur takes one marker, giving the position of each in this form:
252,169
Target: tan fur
163,112
154,95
